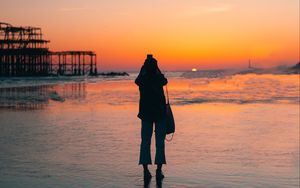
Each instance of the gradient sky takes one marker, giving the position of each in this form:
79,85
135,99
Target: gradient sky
181,34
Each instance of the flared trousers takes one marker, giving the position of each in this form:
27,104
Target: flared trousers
160,135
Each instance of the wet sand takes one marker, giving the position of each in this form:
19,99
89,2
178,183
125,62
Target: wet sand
87,135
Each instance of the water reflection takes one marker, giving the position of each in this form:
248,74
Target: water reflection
159,182
38,97
72,91
147,182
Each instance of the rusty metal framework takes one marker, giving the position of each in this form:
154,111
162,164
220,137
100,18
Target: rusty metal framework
74,62
24,52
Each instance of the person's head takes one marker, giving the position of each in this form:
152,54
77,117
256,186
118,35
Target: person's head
150,64
149,56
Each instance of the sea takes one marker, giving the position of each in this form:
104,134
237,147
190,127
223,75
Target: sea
232,130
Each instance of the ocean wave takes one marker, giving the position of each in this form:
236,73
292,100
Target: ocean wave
294,100
280,70
238,89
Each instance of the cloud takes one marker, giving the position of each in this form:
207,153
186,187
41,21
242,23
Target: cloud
210,9
216,9
74,9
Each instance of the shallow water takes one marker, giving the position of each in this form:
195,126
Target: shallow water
237,131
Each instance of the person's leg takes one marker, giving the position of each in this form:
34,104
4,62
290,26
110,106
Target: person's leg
147,173
145,167
159,167
159,173
160,135
146,134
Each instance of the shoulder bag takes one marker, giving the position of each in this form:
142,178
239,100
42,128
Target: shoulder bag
170,123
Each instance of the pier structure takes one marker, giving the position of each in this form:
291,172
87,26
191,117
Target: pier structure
24,52
74,62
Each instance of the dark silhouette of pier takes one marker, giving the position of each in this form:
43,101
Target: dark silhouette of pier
24,52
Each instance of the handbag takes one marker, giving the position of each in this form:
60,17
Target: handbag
170,123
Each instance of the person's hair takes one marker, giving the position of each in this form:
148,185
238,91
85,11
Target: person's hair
149,56
150,66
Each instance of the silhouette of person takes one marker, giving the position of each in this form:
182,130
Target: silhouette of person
152,110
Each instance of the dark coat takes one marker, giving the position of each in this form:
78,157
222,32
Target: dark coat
152,99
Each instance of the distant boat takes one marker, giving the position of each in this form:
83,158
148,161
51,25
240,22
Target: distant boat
250,65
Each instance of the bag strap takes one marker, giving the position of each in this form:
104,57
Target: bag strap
167,93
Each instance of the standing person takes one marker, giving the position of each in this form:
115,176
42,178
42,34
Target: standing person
152,110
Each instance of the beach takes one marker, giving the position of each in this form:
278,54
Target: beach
231,131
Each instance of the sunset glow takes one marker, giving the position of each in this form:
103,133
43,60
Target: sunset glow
180,34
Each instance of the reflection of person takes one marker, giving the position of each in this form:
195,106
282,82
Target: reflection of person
152,110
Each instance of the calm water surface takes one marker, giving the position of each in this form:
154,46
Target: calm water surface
239,131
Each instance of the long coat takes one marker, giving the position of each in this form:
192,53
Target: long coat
152,105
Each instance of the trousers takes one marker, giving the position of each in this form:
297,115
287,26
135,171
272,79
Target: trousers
146,135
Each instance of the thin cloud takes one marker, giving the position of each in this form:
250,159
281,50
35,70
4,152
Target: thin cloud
216,9
212,9
74,9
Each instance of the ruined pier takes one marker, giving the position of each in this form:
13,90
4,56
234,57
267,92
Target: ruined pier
24,52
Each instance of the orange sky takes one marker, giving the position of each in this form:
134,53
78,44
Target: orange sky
181,34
